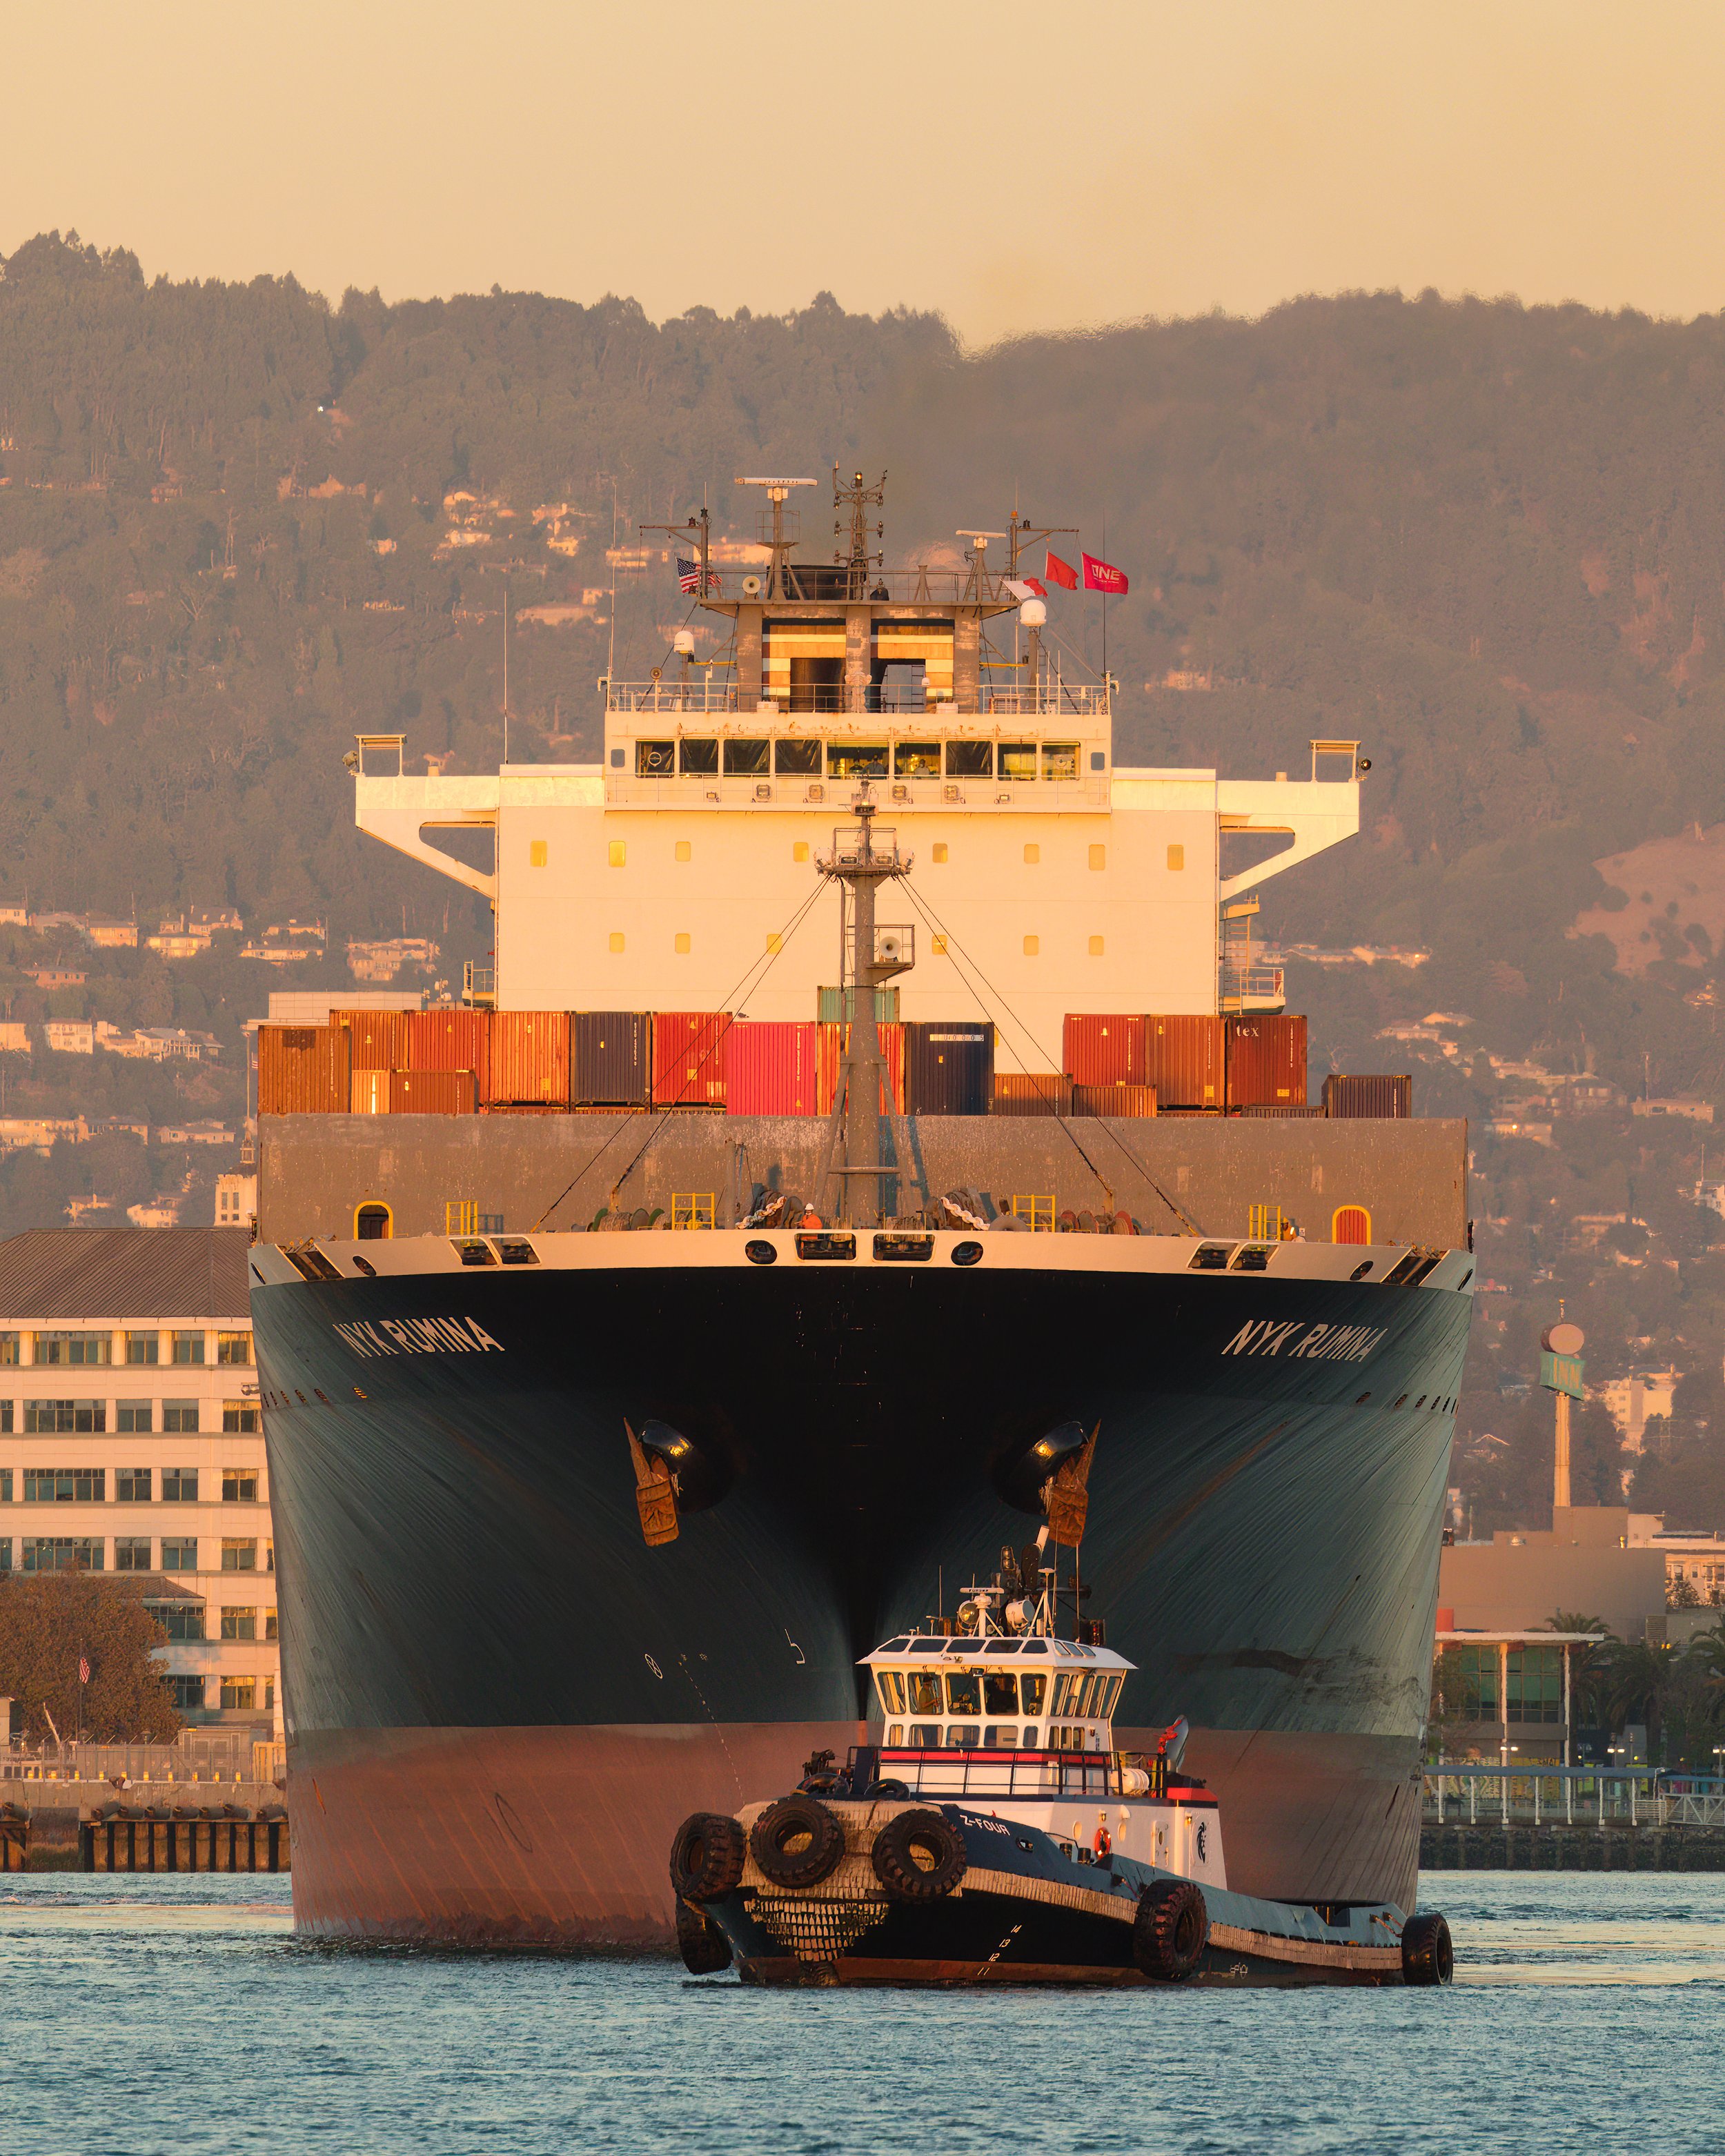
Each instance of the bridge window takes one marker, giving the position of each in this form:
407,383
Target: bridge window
1035,1683
1000,1692
745,759
856,759
698,759
797,759
652,760
1351,1223
964,1692
970,759
891,1686
1018,759
1059,759
925,1692
916,760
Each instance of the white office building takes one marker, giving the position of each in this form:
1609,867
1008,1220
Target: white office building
131,1442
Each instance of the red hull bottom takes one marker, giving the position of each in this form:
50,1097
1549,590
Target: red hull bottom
559,1836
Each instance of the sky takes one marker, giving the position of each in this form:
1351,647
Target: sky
1016,167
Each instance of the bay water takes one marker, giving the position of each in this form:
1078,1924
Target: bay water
144,2015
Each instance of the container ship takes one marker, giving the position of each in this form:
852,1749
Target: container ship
876,1099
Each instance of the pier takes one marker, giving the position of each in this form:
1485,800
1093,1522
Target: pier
1487,1818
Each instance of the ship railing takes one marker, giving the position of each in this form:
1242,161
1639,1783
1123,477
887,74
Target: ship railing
681,694
479,985
951,1773
1252,987
684,695
1528,1793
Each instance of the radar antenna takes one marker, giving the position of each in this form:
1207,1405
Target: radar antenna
859,499
782,581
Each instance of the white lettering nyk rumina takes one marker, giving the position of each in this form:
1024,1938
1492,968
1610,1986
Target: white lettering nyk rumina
1317,1343
420,1336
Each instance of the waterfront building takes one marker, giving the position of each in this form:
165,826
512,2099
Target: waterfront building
1595,1558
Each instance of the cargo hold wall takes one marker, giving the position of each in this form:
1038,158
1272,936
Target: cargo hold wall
1409,1178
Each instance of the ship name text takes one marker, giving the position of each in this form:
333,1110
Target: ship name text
1317,1343
420,1336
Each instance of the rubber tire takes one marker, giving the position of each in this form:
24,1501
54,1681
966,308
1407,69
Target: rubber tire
1170,1930
705,1949
784,1822
896,1864
894,1792
1428,1954
707,1858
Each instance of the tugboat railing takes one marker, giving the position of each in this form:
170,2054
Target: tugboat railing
1002,1773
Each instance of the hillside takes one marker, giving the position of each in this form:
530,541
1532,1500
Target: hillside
238,524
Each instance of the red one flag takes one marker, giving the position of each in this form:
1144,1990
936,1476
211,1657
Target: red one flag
1104,577
1061,572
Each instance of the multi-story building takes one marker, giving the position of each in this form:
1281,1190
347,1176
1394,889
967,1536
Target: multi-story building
131,1442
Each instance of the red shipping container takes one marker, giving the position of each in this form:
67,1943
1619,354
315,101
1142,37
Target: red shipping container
1113,1100
302,1071
448,1039
1267,1060
528,1058
432,1093
1104,1051
1346,1094
770,1068
1184,1056
832,1051
377,1039
689,1059
1032,1093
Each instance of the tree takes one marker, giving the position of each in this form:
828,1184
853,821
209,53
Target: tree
51,1621
1587,1665
1638,1681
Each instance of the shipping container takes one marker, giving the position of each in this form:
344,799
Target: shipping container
432,1093
1105,1050
302,1071
949,1067
1113,1100
1020,1093
368,1092
771,1068
1267,1060
689,1059
831,1052
611,1059
1348,1095
377,1039
449,1039
529,1060
1184,1058
1290,1111
837,1004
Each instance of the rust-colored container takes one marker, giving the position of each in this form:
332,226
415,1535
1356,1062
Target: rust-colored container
1267,1060
1113,1100
1107,1049
689,1059
432,1093
378,1040
1032,1093
771,1067
448,1039
832,1051
1184,1056
529,1060
368,1092
1348,1095
302,1071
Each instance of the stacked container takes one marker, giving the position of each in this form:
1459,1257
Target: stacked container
377,1039
831,1053
1267,1060
449,1040
302,1071
949,1067
1113,1100
1184,1057
1391,1098
529,1061
611,1059
1030,1093
689,1059
771,1068
1104,1051
835,1005
413,1093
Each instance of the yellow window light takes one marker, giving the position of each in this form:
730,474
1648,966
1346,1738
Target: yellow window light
681,943
620,852
616,939
799,852
775,943
1096,946
1177,857
1098,857
1033,944
1033,855
939,850
685,851
939,946
538,853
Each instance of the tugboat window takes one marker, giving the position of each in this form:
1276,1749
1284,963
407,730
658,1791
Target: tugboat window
1000,1692
962,1736
745,759
924,1736
892,1687
970,759
964,1692
999,1738
896,1734
698,758
1035,1684
925,1689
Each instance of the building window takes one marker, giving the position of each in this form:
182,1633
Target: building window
1098,857
235,1348
179,1485
181,1620
239,1553
238,1415
239,1486
5,1485
685,850
799,851
239,1624
8,1351
5,1417
188,1346
180,1415
271,1629
239,1694
72,1350
66,1485
131,1486
1032,855
680,944
269,1691
143,1347
1096,946
619,851
268,1557
186,1693
132,1553
5,1553
1534,1686
62,1552
1177,857
55,1418
178,1556
134,1416
538,853
617,939
1033,944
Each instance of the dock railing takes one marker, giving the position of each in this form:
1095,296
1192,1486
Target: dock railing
1467,1792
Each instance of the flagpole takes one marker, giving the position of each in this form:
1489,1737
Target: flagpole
1105,611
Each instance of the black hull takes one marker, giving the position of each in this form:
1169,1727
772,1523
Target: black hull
1263,1540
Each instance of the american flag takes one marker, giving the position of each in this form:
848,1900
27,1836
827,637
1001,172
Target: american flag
689,577
83,1670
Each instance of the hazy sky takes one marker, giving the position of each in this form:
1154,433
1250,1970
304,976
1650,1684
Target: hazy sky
1016,166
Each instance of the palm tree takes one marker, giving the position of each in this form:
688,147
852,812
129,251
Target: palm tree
1587,1665
1638,1677
1706,1656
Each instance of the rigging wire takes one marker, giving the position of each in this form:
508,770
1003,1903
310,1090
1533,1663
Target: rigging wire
955,951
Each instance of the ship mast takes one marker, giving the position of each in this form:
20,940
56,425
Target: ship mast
861,860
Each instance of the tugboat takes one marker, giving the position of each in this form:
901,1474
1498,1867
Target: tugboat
996,1836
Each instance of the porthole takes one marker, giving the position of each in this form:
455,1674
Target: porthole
1403,1401
760,1252
967,1254
1359,1272
1362,1400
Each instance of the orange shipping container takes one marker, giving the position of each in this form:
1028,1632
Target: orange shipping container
689,1059
1184,1059
377,1039
832,1051
770,1068
528,1058
302,1071
432,1093
1267,1060
1104,1051
1021,1093
1114,1100
447,1039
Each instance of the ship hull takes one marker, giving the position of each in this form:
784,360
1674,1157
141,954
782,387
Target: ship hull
501,1701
